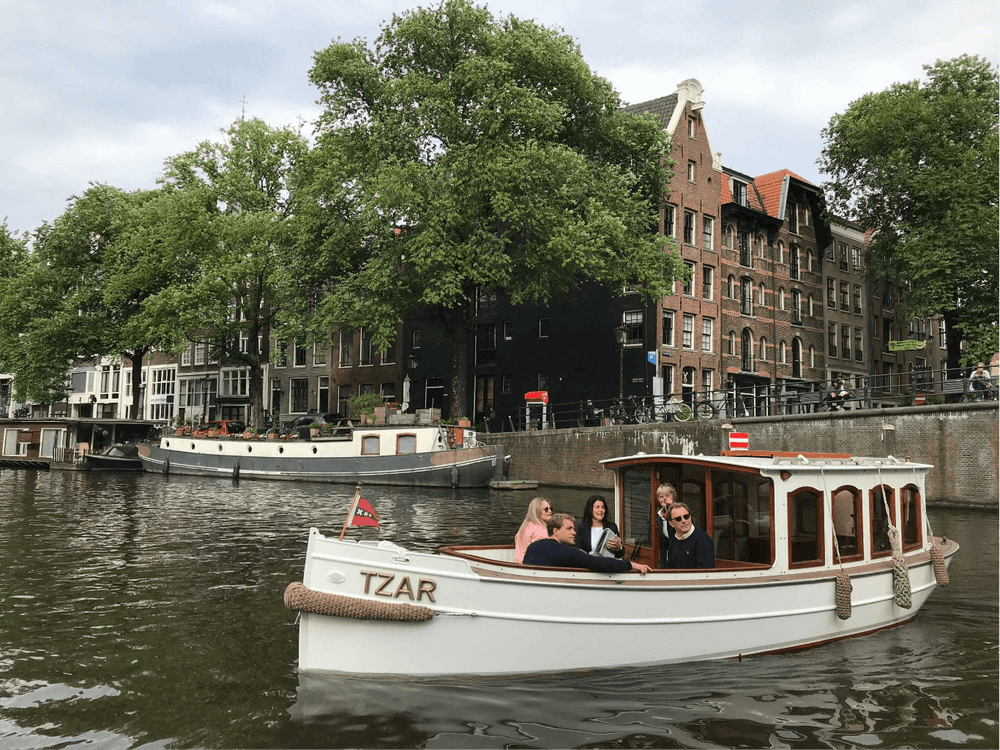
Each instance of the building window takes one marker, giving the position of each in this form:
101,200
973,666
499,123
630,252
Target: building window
508,330
831,339
746,351
668,328
731,287
543,328
856,257
707,228
486,344
634,333
388,392
667,372
689,227
746,296
343,393
706,334
486,303
781,298
843,256
780,252
796,358
761,290
707,281
782,353
731,343
300,356
760,248
505,382
707,380
542,380
299,390
691,126
845,342
234,383
796,307
415,339
763,349
859,352
688,289
831,293
809,260
845,299
199,353
691,173
346,348
186,356
792,214
688,332
389,353
669,218
810,310
812,357
746,254
857,299
740,193
367,351
793,261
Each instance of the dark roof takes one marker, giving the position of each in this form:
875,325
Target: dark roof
663,107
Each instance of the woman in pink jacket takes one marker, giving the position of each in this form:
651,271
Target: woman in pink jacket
533,527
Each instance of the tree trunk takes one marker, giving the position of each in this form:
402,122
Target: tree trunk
953,339
255,414
458,324
136,357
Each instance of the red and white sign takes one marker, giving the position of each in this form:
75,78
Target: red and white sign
739,441
537,396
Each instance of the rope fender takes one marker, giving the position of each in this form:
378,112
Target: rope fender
843,595
900,573
303,599
937,560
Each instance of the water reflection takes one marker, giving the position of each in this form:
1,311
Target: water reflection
138,611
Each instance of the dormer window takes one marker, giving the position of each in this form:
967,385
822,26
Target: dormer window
792,214
740,193
692,123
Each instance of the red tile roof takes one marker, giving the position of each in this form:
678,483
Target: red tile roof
769,186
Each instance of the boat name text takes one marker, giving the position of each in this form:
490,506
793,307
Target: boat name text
403,588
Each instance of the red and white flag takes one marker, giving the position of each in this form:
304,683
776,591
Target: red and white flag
364,514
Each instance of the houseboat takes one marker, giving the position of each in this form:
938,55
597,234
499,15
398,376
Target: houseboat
69,442
809,548
405,455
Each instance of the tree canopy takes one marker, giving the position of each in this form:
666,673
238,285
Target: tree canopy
462,154
917,165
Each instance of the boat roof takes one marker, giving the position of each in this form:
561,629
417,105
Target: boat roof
769,461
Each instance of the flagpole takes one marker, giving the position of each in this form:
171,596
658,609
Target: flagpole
350,513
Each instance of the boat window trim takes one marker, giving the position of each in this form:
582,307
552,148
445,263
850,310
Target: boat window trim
364,445
406,435
820,559
859,526
891,500
919,521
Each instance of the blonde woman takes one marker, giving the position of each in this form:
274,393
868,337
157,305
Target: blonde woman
533,527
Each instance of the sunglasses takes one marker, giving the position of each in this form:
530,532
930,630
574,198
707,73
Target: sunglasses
685,517
546,510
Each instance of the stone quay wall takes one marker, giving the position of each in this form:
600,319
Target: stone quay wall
960,440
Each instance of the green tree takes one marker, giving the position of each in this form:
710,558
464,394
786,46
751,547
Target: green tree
224,226
55,312
916,165
464,154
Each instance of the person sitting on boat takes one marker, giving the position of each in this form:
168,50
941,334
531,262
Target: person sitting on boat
666,495
595,522
558,550
533,527
691,547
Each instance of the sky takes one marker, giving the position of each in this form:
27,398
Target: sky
107,90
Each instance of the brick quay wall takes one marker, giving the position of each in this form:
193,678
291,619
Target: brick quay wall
960,440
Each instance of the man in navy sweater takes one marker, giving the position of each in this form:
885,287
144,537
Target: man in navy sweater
691,547
559,550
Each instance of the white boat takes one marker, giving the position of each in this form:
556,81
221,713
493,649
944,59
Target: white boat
405,455
803,551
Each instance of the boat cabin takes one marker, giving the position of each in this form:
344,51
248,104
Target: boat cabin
775,510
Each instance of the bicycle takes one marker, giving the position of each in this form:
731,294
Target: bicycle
631,410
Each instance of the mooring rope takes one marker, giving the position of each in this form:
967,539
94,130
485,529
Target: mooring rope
900,573
844,587
303,599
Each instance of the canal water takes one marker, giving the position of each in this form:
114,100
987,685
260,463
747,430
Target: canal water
144,611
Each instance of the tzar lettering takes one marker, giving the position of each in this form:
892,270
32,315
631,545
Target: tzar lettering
425,586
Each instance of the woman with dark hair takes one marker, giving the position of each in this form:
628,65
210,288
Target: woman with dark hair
595,521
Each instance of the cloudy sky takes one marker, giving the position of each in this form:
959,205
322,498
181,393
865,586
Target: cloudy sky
105,90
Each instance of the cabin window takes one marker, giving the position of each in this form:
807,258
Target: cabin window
882,519
912,522
741,517
51,440
847,523
635,527
406,444
805,527
369,445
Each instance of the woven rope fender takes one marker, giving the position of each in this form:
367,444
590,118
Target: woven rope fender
940,569
844,589
303,599
900,574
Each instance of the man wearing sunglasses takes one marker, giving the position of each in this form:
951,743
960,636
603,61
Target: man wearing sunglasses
691,547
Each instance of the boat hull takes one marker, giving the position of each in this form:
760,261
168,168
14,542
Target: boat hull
487,615
313,462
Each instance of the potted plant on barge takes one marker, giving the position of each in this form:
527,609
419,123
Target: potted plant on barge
314,429
363,407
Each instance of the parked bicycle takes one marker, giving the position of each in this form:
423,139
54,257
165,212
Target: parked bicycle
630,410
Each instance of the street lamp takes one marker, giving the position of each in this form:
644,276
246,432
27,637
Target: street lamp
620,339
